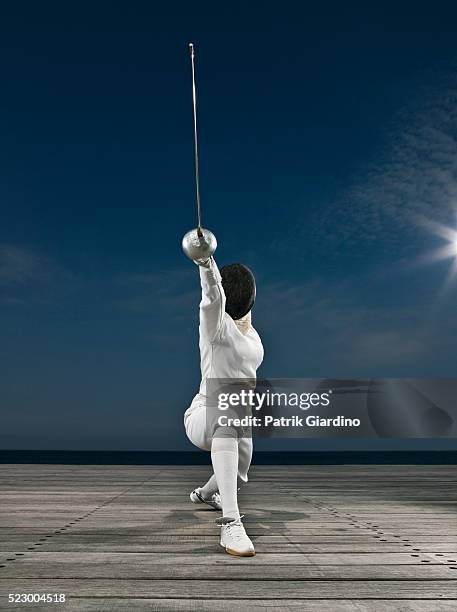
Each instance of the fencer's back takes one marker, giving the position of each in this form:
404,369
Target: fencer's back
230,354
225,352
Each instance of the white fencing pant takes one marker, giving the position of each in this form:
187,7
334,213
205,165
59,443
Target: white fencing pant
200,433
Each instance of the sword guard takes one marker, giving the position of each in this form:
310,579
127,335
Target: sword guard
199,247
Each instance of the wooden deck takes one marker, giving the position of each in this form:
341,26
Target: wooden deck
328,538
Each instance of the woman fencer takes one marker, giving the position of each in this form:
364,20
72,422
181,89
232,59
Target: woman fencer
230,348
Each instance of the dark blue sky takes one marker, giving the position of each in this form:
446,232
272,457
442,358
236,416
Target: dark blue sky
325,135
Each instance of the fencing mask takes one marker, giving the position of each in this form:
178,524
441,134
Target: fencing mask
239,287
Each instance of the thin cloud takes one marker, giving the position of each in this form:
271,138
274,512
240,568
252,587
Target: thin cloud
30,279
316,327
174,293
18,265
413,175
387,347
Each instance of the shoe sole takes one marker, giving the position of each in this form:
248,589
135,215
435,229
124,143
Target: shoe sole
237,554
206,503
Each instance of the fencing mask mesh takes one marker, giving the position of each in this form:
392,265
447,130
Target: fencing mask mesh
239,288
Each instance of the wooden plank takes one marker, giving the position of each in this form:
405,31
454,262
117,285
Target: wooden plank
229,589
153,569
204,558
142,512
309,536
113,604
261,547
263,542
157,572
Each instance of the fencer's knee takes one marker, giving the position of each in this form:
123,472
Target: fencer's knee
226,432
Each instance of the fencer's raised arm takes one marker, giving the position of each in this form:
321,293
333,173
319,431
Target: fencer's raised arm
212,305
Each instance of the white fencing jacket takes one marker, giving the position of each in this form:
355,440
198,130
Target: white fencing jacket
225,352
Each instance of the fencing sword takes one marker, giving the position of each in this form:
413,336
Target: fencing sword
198,244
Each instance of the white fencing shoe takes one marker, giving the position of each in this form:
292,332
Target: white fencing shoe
214,501
234,538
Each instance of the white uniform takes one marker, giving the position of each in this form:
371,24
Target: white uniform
225,352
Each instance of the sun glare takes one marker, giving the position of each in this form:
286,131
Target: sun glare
447,251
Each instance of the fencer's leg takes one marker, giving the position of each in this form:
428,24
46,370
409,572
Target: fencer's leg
224,456
209,488
208,494
244,459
